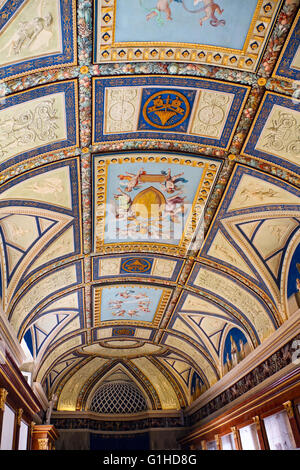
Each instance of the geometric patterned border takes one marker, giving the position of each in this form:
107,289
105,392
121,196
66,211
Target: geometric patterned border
125,260
269,100
101,85
247,58
69,283
73,166
224,213
236,311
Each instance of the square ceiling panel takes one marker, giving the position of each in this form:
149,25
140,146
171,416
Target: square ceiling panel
227,33
136,303
180,109
150,201
274,135
36,35
37,121
288,65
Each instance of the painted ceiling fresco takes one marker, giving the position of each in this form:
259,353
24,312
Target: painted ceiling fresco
227,33
149,190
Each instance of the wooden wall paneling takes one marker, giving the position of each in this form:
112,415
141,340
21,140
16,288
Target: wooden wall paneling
256,407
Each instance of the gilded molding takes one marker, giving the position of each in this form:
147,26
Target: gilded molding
107,49
218,442
3,395
256,420
19,416
288,406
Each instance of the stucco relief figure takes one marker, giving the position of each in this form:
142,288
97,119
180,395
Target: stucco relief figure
50,185
258,193
16,231
28,32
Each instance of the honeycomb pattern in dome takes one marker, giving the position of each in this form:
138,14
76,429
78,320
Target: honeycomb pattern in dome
118,397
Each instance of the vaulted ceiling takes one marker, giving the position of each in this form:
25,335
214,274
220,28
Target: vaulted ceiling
149,189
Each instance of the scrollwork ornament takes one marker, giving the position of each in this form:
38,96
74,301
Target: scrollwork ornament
283,135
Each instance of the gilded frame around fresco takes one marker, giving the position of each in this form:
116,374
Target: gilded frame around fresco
247,59
160,310
211,168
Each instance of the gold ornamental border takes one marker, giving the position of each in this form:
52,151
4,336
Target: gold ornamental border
122,137
107,50
250,132
210,171
160,310
158,94
25,72
286,45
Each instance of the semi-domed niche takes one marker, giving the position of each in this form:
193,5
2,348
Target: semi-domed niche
118,397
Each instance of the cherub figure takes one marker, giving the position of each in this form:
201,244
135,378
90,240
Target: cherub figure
161,6
140,296
132,313
174,205
127,294
120,313
169,185
134,180
125,202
